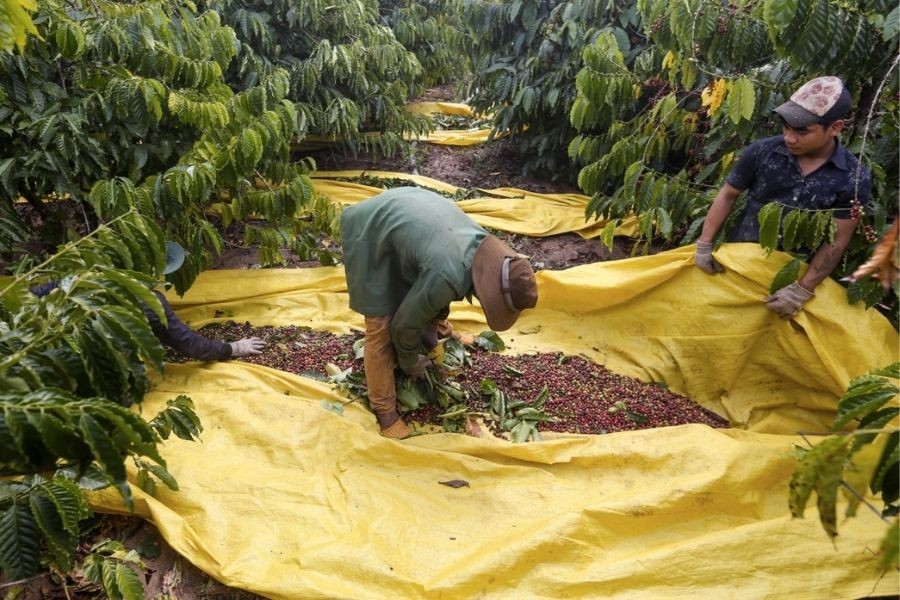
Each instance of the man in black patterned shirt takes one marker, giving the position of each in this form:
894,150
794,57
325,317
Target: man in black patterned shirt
804,168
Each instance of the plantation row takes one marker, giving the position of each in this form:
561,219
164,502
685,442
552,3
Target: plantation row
145,115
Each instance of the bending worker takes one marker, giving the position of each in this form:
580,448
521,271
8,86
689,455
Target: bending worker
804,168
409,253
175,333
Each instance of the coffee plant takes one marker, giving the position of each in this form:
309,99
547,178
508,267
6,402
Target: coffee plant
72,363
119,105
433,31
868,457
15,23
526,57
658,135
348,76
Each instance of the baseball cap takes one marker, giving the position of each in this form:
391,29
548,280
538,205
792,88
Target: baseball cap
819,100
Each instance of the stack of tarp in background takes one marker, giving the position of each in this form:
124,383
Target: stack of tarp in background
287,499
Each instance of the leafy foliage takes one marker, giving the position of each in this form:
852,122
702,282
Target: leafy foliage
526,57
347,72
433,31
15,23
658,134
124,105
72,362
872,451
111,565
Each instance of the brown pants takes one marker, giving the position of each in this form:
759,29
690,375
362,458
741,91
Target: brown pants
380,358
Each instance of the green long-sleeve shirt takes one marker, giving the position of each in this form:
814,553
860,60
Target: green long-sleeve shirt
408,253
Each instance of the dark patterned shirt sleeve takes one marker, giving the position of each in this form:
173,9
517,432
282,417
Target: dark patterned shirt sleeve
179,336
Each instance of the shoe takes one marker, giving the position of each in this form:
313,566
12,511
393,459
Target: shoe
397,430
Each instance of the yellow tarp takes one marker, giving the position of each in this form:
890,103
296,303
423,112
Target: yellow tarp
446,137
506,209
290,500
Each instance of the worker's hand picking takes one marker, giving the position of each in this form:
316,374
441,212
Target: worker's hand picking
703,258
247,347
417,370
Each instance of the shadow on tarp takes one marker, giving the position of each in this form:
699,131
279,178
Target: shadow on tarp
287,499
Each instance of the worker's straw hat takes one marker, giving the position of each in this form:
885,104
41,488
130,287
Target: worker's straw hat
504,283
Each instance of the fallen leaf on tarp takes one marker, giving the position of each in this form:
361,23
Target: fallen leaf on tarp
529,330
335,407
455,483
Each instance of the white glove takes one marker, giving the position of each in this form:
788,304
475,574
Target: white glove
789,300
703,258
246,347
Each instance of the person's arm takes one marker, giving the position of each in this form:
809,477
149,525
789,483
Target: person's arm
718,212
428,298
716,215
828,256
789,300
179,336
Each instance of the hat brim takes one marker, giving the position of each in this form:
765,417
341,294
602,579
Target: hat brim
486,269
174,257
796,116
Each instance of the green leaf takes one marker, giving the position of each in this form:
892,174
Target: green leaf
521,432
129,583
103,448
769,218
141,292
179,418
794,229
785,276
874,420
134,329
59,436
891,29
409,396
830,470
816,233
778,14
108,578
864,396
490,341
607,235
890,457
69,501
19,543
61,542
820,469
741,100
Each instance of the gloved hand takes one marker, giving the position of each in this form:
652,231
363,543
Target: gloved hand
246,347
430,338
703,258
417,370
789,300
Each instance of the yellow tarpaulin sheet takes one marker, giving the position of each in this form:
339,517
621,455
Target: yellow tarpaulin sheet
445,137
290,500
506,209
